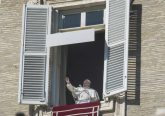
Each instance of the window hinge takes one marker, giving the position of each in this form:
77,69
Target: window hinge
43,100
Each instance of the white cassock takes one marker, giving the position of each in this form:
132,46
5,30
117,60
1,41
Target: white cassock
83,95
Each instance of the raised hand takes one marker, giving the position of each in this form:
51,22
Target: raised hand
67,80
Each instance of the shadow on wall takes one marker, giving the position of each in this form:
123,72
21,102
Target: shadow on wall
134,58
19,114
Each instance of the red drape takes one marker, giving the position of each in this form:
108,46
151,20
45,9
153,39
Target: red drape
85,109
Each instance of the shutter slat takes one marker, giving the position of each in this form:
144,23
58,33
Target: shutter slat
34,56
34,79
117,19
36,22
115,63
116,47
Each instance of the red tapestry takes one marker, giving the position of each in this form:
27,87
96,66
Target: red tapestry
85,109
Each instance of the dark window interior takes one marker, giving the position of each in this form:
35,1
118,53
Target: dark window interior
71,20
86,60
94,17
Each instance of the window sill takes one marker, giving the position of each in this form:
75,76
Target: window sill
100,27
63,5
106,106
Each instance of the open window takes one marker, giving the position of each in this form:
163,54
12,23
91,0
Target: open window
58,44
81,52
53,46
86,60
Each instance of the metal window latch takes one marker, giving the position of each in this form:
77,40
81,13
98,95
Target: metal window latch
43,100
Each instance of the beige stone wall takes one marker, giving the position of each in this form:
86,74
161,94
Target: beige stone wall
10,37
151,64
152,71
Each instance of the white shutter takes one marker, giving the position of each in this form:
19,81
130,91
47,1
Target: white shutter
34,55
116,47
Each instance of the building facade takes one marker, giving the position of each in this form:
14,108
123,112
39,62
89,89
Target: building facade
145,85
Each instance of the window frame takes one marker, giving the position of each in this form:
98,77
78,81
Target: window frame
99,11
82,12
83,9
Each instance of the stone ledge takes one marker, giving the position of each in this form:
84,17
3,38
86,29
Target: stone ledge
64,5
106,106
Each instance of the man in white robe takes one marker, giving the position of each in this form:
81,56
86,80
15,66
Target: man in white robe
83,94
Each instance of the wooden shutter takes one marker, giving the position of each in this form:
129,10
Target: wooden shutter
34,64
116,47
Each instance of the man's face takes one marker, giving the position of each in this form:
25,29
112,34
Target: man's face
86,83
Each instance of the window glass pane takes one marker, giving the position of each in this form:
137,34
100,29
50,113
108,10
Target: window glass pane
71,20
94,17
